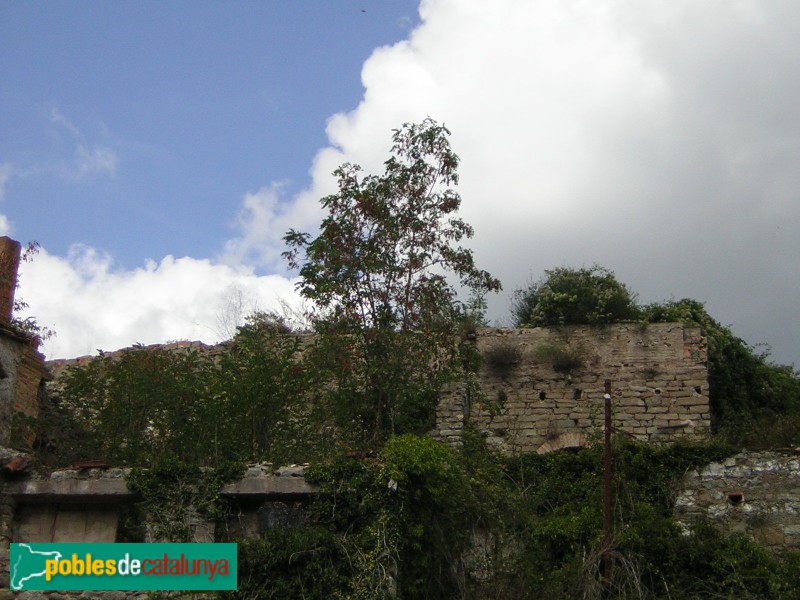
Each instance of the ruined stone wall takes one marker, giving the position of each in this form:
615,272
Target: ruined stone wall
525,399
22,371
530,398
31,373
757,494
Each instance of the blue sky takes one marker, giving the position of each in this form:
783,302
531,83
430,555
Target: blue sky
136,126
159,150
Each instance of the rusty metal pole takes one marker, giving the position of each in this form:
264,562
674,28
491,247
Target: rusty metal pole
607,495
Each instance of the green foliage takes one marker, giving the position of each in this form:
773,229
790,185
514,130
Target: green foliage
406,518
27,327
175,494
754,403
378,259
568,296
407,521
302,563
260,385
140,406
143,405
377,273
556,524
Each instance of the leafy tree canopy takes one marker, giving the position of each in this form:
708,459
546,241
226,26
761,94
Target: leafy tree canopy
381,271
384,251
566,296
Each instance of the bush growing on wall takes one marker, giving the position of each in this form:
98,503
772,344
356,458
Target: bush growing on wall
405,518
566,296
754,403
403,524
144,405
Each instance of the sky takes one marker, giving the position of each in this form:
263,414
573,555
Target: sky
158,151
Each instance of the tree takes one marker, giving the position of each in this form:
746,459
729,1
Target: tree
378,272
567,296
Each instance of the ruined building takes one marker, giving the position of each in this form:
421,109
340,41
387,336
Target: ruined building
22,368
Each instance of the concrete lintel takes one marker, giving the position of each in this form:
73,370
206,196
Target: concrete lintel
255,487
69,490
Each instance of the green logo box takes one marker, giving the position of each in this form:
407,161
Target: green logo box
85,566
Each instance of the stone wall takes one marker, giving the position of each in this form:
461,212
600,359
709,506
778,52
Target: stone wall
525,401
753,493
530,398
22,373
22,369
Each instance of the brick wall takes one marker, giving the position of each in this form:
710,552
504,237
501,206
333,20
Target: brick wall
658,375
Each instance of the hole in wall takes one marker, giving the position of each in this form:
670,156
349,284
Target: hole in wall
735,497
658,390
577,393
542,395
698,389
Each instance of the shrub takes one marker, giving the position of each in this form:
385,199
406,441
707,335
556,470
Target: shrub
568,296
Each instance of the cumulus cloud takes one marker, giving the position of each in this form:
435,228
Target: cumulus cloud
263,219
659,140
91,305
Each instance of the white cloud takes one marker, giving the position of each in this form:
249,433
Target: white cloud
6,171
89,158
92,306
263,219
95,159
5,174
5,225
659,140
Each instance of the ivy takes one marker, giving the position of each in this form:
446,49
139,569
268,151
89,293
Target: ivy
177,498
293,563
145,405
405,517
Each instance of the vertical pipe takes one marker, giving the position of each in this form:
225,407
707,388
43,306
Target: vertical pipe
607,495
